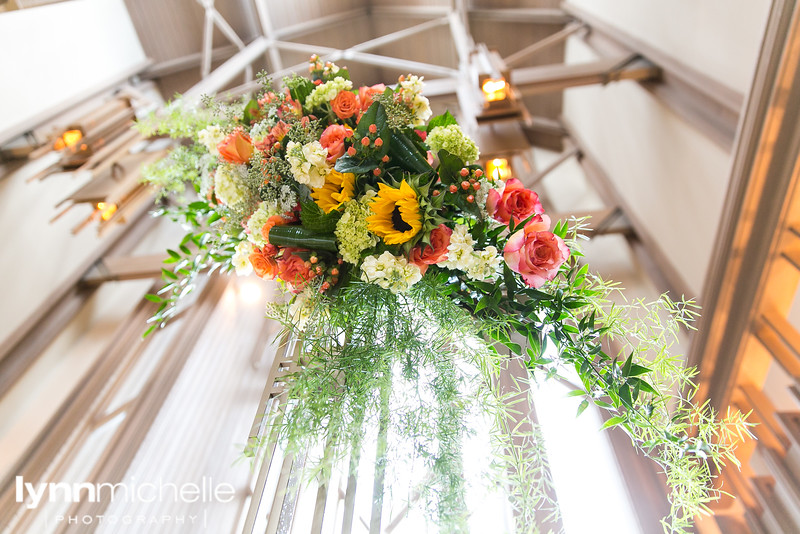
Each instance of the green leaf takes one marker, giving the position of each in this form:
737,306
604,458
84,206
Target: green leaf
614,421
576,393
154,298
405,153
297,236
355,164
582,407
313,218
445,119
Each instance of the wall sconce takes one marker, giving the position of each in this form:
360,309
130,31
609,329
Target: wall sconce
106,210
498,168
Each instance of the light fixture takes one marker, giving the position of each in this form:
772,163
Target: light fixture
498,99
68,139
106,210
494,90
498,168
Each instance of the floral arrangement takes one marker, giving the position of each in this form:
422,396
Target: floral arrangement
407,268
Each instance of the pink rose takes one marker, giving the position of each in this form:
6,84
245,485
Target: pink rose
535,255
365,95
424,255
333,139
516,202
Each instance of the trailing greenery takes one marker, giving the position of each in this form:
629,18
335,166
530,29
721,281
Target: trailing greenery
411,368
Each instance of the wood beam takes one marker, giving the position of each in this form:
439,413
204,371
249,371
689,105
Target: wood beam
551,78
547,42
532,15
118,268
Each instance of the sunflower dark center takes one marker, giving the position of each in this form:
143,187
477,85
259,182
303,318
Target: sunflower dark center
397,221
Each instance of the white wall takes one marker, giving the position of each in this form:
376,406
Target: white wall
53,54
719,38
673,177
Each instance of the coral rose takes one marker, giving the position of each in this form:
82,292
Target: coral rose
366,94
236,148
333,139
424,255
274,220
292,268
535,255
345,105
516,202
263,264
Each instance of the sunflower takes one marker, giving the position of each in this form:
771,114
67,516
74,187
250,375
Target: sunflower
396,215
337,190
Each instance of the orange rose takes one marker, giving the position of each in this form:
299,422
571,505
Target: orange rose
263,265
345,105
333,139
274,220
424,255
236,148
292,268
366,94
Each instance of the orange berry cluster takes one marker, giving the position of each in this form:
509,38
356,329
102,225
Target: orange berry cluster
469,184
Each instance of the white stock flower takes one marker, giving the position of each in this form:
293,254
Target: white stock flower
240,259
308,162
390,272
484,265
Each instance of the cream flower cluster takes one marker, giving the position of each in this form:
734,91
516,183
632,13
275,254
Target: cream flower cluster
327,91
240,258
309,163
481,265
412,93
352,232
453,139
390,272
210,137
260,130
229,183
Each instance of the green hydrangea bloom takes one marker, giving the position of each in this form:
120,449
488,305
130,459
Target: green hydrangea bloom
452,139
352,233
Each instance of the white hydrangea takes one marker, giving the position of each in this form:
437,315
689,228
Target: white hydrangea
484,264
229,183
240,259
309,163
327,91
390,272
211,136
